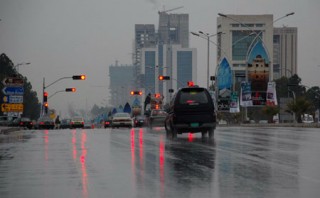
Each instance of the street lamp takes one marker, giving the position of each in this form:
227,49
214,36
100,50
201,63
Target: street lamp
20,64
206,36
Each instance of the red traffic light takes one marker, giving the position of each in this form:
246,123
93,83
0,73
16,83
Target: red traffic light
157,95
70,89
79,77
45,94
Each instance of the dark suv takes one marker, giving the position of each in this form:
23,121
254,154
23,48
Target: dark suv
191,110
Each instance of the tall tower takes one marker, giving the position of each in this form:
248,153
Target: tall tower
145,37
173,29
285,47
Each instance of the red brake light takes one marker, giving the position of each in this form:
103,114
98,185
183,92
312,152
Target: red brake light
42,123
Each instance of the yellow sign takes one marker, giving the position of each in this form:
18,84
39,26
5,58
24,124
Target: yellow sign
11,107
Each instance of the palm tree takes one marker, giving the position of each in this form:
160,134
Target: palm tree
270,111
300,106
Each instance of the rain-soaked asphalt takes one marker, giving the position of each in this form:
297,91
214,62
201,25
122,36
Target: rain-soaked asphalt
138,163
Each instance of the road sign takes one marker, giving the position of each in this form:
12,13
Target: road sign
5,107
13,114
13,99
13,90
13,81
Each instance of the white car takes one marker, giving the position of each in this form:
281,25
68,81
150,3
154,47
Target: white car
121,120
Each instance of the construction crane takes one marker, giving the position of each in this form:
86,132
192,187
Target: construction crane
170,10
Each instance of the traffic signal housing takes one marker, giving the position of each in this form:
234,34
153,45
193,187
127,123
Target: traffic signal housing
79,77
45,97
136,93
46,106
164,77
71,89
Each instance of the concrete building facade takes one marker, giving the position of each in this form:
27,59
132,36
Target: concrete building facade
121,83
285,51
240,32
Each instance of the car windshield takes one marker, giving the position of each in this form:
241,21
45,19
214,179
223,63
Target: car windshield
188,96
77,119
121,115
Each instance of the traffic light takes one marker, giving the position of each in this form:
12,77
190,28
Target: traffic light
70,89
45,104
164,77
157,95
136,93
190,83
79,77
45,97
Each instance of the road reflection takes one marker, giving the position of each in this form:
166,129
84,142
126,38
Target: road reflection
181,163
83,164
191,167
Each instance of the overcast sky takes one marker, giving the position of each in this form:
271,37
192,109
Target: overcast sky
65,37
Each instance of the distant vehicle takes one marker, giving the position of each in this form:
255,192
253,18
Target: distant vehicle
45,123
22,122
157,118
107,123
25,122
139,121
191,110
65,123
77,122
307,118
87,124
4,120
121,120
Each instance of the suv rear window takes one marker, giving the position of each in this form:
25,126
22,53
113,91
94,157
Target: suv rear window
192,96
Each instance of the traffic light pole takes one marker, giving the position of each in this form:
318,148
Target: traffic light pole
75,77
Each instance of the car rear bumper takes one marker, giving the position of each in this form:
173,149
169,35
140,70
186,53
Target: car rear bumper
194,123
77,126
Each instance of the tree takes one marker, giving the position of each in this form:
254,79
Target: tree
270,111
30,99
294,85
313,95
299,106
281,87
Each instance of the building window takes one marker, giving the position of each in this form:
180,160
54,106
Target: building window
184,67
241,41
150,63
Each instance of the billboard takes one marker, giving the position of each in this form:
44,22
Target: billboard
258,73
224,83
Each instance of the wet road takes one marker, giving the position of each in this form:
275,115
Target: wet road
240,162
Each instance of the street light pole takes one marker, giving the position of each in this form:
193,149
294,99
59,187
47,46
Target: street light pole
19,64
207,36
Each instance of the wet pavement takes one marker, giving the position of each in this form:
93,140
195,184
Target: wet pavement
239,162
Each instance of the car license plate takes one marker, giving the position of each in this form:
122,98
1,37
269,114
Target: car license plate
194,124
